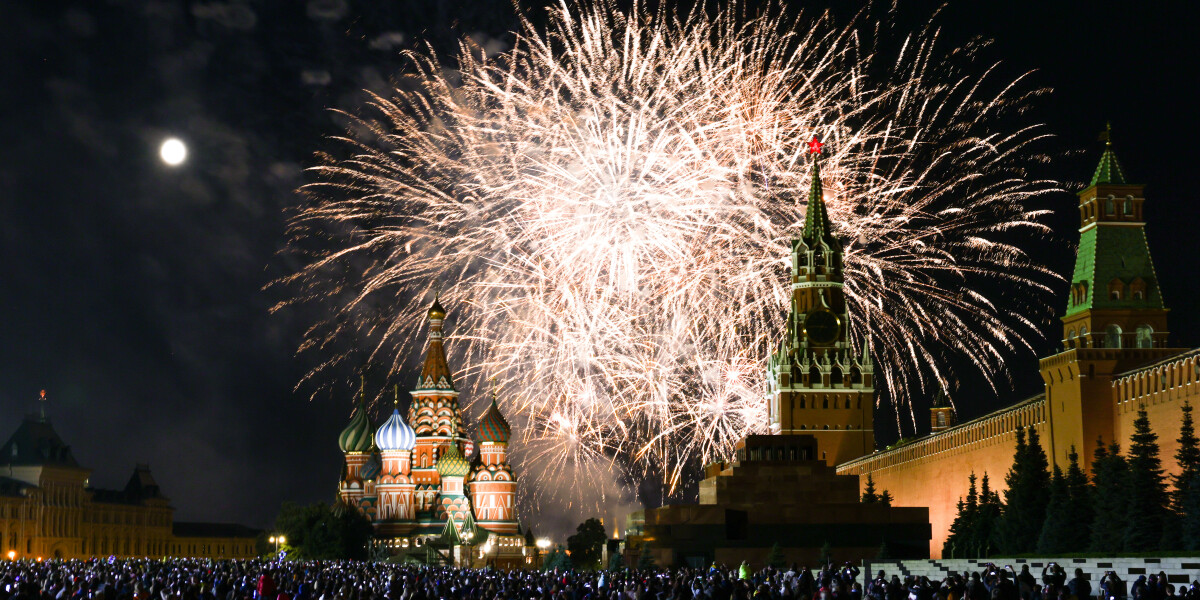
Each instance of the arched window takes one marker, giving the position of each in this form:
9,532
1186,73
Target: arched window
855,375
801,402
1072,339
1128,205
1110,206
835,378
825,404
814,377
1145,336
1112,336
1083,337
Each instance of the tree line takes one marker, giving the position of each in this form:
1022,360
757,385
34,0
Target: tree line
1125,506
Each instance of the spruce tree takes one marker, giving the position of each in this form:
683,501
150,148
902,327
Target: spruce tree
1056,530
869,496
1187,457
1190,520
1025,505
1147,489
1079,505
961,530
1182,529
1108,499
886,498
987,520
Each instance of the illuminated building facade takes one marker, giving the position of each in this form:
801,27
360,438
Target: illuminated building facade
48,509
429,480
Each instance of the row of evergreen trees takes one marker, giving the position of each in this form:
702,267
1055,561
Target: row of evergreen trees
1126,506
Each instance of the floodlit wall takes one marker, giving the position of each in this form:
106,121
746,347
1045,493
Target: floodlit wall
933,470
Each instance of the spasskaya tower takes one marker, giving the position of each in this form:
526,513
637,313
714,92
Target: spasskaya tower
818,384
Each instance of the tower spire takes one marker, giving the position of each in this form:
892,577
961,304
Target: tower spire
1109,170
816,217
435,373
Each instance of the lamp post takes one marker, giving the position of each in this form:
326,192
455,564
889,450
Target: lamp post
277,540
542,544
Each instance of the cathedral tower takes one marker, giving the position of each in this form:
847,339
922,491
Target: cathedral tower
492,484
434,411
395,440
818,383
1115,318
355,442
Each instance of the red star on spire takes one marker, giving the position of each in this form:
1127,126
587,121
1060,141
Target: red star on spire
814,147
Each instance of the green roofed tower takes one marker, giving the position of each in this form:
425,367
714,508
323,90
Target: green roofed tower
1115,318
1114,301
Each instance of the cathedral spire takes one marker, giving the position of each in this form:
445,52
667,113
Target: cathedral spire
435,373
816,217
1109,169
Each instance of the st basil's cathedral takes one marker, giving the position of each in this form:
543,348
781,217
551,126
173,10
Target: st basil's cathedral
420,479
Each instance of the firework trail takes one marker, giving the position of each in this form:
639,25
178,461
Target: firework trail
607,208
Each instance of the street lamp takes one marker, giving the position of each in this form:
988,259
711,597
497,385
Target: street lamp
12,555
277,540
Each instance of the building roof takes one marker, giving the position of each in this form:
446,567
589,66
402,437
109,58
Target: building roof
141,487
35,443
197,529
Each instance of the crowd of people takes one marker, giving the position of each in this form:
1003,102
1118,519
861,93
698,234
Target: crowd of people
188,579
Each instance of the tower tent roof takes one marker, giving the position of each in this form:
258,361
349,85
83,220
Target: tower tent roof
816,216
435,372
1109,170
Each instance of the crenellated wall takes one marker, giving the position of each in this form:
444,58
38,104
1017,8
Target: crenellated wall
932,471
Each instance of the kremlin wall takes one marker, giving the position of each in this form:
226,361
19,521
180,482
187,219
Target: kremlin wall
1115,360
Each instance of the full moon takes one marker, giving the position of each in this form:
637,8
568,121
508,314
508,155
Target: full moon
173,151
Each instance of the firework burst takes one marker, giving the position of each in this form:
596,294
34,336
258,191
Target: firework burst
607,208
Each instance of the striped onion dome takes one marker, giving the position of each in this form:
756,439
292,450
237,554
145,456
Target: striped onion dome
373,466
395,434
356,437
453,463
493,427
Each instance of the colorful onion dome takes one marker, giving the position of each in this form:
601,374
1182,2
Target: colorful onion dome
395,434
373,466
356,437
493,427
453,463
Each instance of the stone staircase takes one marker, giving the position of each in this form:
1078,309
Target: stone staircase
1179,570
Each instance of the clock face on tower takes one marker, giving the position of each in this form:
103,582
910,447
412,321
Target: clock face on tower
822,327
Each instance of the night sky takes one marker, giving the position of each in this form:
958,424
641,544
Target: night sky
134,293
